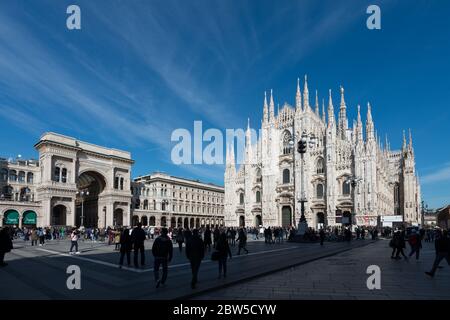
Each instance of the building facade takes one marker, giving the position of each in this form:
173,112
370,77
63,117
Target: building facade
72,181
163,200
346,175
76,183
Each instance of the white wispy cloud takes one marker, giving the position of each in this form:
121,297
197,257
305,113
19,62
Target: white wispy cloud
440,175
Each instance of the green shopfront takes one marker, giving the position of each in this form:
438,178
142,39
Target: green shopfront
29,218
11,218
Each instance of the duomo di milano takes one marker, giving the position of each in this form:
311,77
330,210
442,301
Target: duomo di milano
346,175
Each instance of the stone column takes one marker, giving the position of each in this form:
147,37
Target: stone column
71,214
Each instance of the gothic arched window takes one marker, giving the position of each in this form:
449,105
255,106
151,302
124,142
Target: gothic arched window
258,196
287,137
241,198
345,188
286,176
258,175
320,166
319,191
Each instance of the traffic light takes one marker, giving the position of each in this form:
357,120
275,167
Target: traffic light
301,147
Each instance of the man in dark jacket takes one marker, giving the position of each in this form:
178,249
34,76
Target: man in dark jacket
207,238
442,246
415,241
5,245
138,238
162,252
242,238
195,251
125,246
322,236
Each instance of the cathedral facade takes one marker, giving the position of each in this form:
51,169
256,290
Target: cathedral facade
345,175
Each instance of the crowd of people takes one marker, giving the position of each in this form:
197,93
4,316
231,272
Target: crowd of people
218,242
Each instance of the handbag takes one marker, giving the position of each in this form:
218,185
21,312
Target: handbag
215,256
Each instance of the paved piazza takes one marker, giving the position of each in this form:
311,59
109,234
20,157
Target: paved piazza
343,276
335,271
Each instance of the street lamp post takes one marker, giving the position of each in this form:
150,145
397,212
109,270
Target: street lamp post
307,140
353,181
82,194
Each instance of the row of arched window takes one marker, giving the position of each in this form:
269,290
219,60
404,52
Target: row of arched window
164,207
60,174
257,197
13,176
118,183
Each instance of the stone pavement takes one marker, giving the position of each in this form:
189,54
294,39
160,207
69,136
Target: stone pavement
40,272
343,276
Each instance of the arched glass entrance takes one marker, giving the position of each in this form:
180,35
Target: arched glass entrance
59,214
118,217
286,216
135,221
90,185
320,220
241,221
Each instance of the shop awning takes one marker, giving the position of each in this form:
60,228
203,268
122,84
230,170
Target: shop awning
29,217
11,217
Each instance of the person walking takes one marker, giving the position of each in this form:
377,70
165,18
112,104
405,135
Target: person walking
442,248
216,235
162,251
195,251
138,238
116,239
180,239
6,245
223,251
399,245
41,237
125,246
207,238
74,241
322,236
242,238
34,237
415,241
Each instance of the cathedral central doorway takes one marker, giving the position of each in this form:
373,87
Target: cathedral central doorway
90,185
241,221
258,221
286,216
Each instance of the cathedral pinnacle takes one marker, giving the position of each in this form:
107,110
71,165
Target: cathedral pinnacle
266,109
343,122
272,107
317,103
369,123
323,110
330,109
298,97
404,141
306,95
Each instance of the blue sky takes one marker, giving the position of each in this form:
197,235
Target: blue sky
137,70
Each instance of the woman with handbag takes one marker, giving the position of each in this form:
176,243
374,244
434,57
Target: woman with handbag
221,254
